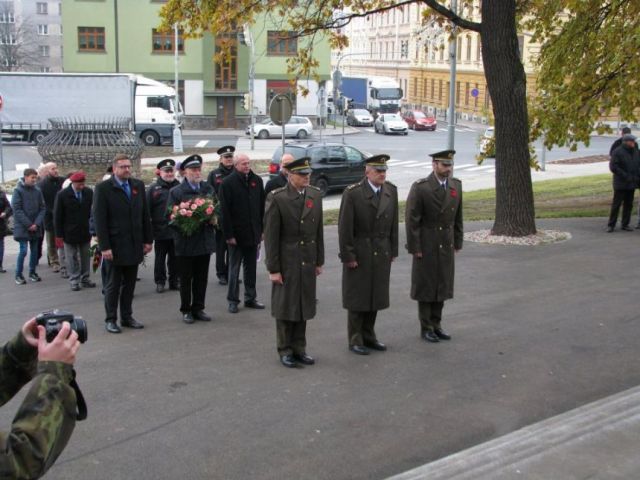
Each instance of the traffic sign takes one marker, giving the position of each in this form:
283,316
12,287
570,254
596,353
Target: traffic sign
475,92
280,109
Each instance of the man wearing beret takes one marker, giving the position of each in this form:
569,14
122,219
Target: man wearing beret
434,235
368,238
157,197
215,179
193,252
72,213
123,228
294,246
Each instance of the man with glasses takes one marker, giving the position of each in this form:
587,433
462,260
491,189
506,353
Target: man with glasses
123,227
157,197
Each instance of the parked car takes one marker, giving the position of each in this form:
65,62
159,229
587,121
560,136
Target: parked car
487,142
333,165
299,127
359,117
418,120
391,123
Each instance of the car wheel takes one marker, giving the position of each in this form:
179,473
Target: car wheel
406,133
150,138
263,134
323,185
302,134
38,137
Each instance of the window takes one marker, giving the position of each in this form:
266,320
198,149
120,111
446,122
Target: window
7,17
281,43
7,39
227,67
163,41
468,48
159,102
440,91
415,87
424,89
43,29
41,8
466,94
433,88
45,69
59,8
353,155
44,50
91,39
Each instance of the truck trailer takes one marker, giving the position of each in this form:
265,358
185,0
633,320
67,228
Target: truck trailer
376,94
30,99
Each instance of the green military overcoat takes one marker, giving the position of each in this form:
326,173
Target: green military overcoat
294,246
434,227
368,234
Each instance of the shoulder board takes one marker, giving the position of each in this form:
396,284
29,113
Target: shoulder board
315,188
275,191
389,183
456,180
352,186
421,180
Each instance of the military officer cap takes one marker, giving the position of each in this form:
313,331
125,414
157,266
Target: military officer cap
167,164
226,151
445,157
300,166
379,162
191,162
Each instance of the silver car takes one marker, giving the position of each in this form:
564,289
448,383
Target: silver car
299,127
391,123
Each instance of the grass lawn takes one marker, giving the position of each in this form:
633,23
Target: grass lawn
588,196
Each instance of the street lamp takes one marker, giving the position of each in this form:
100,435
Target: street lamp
248,39
177,134
451,128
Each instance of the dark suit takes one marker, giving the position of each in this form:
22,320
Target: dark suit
242,200
123,226
277,182
157,197
215,179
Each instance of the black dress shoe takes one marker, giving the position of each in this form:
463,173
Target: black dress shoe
112,327
75,288
223,281
203,317
627,228
359,349
88,284
430,336
159,287
132,323
610,229
233,308
289,361
255,304
381,347
441,334
188,318
304,358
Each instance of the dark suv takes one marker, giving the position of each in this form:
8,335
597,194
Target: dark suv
333,165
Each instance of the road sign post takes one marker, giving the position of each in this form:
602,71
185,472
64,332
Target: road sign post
280,110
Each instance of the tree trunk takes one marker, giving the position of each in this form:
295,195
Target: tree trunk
506,81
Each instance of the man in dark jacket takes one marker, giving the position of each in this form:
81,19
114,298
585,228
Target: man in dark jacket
281,180
124,233
193,252
157,197
625,166
368,237
5,213
242,199
50,185
624,131
216,177
72,213
29,209
435,233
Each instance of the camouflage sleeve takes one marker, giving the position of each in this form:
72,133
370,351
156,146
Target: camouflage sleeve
17,366
42,426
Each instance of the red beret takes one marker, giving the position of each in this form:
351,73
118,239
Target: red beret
78,177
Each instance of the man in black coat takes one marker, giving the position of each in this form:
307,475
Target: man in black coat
281,180
72,213
193,252
157,197
242,199
216,177
124,234
625,166
50,185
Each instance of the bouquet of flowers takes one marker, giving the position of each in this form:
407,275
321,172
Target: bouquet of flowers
188,216
96,256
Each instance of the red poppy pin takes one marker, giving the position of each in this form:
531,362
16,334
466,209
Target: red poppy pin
253,184
454,193
218,180
135,191
309,204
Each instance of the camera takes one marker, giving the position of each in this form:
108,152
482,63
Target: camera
52,322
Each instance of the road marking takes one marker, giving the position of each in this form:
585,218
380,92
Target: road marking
481,167
397,163
21,166
370,130
460,167
202,143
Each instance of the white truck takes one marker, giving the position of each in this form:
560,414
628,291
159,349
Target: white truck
29,100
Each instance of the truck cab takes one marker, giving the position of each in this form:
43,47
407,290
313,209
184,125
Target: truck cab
155,112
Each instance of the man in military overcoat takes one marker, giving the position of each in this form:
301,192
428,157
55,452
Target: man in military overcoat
434,235
368,237
294,245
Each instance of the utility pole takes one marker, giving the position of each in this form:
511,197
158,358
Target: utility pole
248,35
177,134
453,43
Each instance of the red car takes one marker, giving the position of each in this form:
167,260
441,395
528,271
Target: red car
418,120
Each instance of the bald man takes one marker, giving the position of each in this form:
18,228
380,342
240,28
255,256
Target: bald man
281,179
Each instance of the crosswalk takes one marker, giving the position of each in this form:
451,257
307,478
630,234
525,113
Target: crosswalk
459,169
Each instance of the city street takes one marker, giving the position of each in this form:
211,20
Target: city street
533,337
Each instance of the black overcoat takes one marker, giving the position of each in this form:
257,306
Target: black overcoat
199,243
50,186
625,166
5,207
157,198
242,208
71,217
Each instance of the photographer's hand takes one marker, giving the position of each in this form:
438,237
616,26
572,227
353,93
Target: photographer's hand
63,348
30,332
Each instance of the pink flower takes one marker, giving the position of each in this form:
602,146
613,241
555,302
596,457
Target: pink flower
183,212
199,202
175,208
193,206
189,213
184,205
172,217
209,210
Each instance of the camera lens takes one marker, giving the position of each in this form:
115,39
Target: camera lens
80,326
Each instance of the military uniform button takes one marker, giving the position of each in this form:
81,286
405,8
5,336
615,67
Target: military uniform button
301,221
375,253
440,246
301,242
302,263
440,228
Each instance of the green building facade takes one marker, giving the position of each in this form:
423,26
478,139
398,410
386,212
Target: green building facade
120,36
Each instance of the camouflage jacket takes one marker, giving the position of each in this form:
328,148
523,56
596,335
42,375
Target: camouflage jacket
43,425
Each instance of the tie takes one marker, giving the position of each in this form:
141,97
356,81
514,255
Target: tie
378,193
79,196
444,185
125,187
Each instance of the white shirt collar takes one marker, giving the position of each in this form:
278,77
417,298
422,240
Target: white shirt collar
373,187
